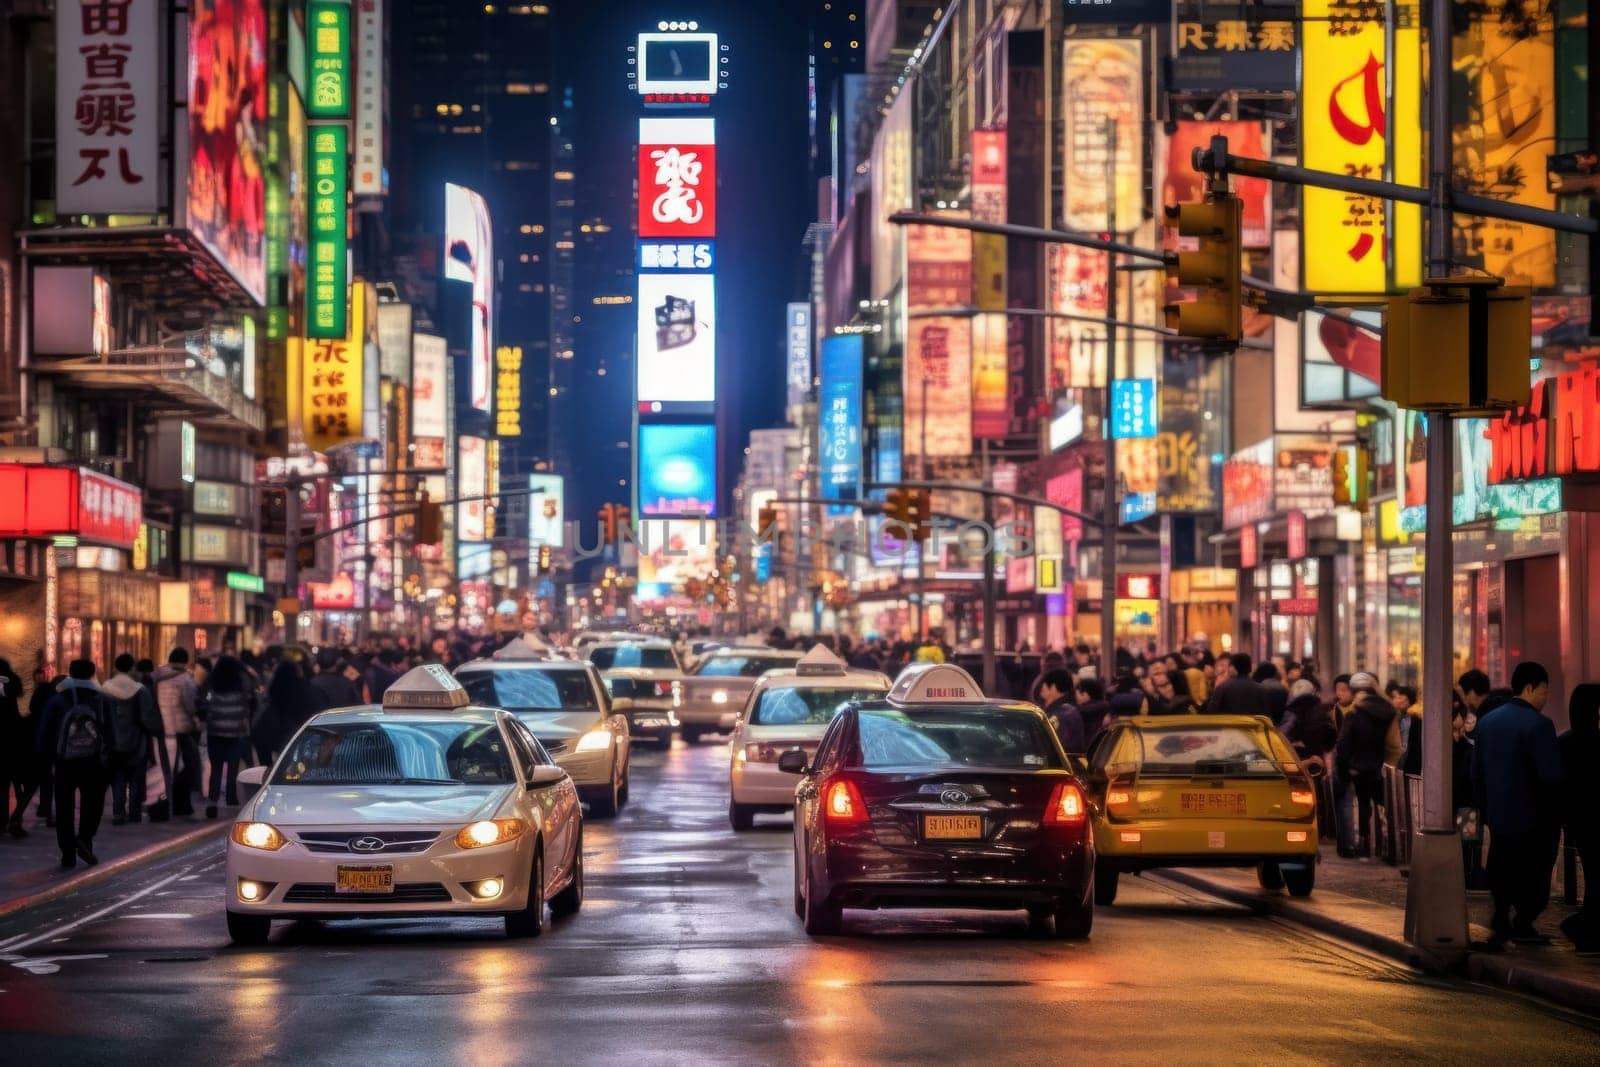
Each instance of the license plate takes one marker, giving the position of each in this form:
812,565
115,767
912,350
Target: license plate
1212,803
649,724
952,827
364,880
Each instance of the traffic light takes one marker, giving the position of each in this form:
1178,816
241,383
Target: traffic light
1459,344
544,563
430,522
1217,313
896,508
919,515
1350,476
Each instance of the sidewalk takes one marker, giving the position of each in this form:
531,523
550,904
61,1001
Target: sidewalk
30,867
1365,903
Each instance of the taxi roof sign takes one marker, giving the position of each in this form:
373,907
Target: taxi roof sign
429,687
820,661
935,683
524,647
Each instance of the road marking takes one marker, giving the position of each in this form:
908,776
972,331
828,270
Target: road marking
23,942
159,915
48,964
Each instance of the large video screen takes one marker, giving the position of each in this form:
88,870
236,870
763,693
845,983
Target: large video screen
678,62
677,338
677,469
469,257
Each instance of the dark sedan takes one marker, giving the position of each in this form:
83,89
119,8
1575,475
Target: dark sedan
939,798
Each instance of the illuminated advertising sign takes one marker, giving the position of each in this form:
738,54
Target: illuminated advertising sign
671,552
839,411
1077,286
472,481
677,255
938,266
1247,485
1075,11
327,243
1103,79
508,391
677,177
1139,476
677,338
63,501
1182,183
332,380
1194,436
394,341
469,257
989,205
1346,240
108,135
798,339
991,377
328,58
429,399
547,516
370,176
1229,54
677,469
891,192
1133,408
226,203
1341,362
1558,432
938,387
679,67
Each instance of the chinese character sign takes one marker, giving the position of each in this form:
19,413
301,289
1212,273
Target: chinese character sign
328,59
938,266
1348,242
508,391
799,352
938,387
677,177
1133,408
371,177
327,250
332,381
839,411
1103,108
107,110
1077,287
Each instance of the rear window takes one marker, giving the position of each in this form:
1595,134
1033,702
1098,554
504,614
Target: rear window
1235,751
804,707
956,737
741,666
608,656
531,690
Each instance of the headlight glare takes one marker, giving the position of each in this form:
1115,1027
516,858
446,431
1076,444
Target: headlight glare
260,835
487,832
594,741
719,697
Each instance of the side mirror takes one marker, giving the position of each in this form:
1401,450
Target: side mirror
251,779
546,775
792,762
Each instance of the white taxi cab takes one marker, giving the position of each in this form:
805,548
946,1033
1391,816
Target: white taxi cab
789,709
564,703
426,805
640,673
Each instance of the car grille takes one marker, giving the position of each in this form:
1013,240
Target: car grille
404,893
395,842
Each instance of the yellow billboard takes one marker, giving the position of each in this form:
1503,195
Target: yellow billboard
331,379
1357,244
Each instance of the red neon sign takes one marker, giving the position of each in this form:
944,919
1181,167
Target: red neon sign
677,178
66,501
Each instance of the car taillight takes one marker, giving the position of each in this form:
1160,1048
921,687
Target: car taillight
1119,796
663,689
841,802
1066,807
1304,797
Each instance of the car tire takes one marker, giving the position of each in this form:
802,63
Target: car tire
605,806
1299,878
820,918
1106,876
691,735
1269,875
741,816
1075,918
623,793
248,929
569,900
529,922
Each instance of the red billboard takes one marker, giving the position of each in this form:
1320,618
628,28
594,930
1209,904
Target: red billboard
69,502
677,177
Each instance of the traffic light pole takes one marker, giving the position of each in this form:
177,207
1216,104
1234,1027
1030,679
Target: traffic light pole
1110,515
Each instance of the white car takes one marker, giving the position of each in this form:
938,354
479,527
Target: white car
424,806
788,710
710,696
639,673
564,703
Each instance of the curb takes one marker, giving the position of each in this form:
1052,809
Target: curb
1508,972
112,868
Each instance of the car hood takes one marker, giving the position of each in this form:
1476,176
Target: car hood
343,805
643,674
552,726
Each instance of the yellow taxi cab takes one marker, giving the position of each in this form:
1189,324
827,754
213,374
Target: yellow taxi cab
1201,791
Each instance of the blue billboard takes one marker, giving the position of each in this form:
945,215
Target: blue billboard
839,411
1133,408
677,469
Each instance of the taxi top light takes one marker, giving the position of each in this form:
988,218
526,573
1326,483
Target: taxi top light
429,687
842,803
487,832
1067,806
260,835
819,661
935,683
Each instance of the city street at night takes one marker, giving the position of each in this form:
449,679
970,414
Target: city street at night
687,950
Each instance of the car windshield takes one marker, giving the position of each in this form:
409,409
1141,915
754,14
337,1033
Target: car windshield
741,666
946,737
607,657
1235,751
804,707
397,753
525,690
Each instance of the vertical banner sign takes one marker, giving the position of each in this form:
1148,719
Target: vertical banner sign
1103,89
1077,286
370,177
508,391
394,341
1504,70
1048,549
332,385
989,205
472,465
469,257
891,191
328,58
107,111
1348,241
677,177
1181,182
327,243
1133,408
429,357
991,409
938,387
839,410
547,511
798,341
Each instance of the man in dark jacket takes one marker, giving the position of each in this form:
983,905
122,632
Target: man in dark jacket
1365,744
1055,690
1266,675
1308,721
1092,707
330,687
77,728
1516,777
1128,698
1240,694
1580,759
16,751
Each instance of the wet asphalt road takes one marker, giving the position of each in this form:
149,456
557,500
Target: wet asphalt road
687,950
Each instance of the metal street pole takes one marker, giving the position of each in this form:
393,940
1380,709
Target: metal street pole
1436,899
1108,531
291,560
988,595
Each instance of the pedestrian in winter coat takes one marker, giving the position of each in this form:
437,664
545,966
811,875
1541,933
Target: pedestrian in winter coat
178,697
290,703
1517,777
1172,696
1128,697
1366,742
1056,690
1408,718
44,689
1580,760
330,688
1093,706
76,728
230,702
135,724
1268,677
1308,721
16,751
1240,694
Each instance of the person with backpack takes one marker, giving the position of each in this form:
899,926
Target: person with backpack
135,720
77,729
230,703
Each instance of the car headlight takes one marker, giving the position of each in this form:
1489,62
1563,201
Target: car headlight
487,832
594,741
260,835
719,697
